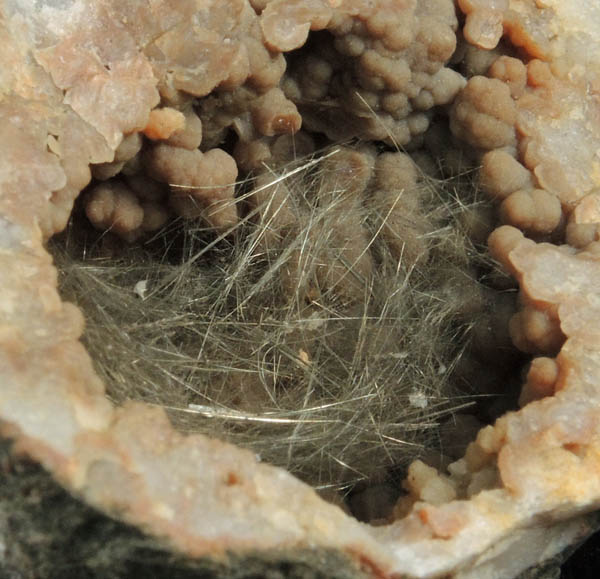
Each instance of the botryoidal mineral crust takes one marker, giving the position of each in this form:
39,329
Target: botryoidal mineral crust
78,75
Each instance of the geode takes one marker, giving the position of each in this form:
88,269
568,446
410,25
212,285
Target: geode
78,75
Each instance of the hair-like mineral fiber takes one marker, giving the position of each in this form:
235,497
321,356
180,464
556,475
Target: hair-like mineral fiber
302,333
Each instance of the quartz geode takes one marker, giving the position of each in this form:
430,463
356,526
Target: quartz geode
78,75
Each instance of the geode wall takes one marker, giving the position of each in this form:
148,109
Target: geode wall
214,93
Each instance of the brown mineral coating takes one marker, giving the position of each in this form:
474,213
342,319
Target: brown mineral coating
583,226
196,63
534,211
270,198
286,23
124,210
274,152
251,114
541,380
155,216
129,147
556,113
65,162
483,26
527,25
202,184
512,72
397,199
396,172
122,79
474,61
394,54
266,67
536,330
273,114
127,150
346,174
252,155
287,148
220,45
501,174
345,268
104,171
147,189
113,206
501,242
164,122
581,235
190,136
484,114
314,86
334,259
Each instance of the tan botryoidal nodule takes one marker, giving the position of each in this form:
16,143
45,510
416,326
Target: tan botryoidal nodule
325,330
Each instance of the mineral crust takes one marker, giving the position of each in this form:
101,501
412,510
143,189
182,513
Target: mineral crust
78,76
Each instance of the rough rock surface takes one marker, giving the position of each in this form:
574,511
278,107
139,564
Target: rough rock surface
555,104
379,70
527,478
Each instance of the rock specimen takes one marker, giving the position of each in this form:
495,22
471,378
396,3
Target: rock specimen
78,80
